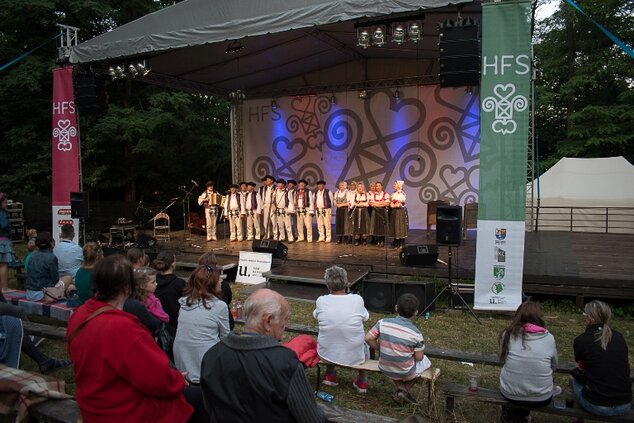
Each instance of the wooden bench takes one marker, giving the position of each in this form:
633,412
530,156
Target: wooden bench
56,411
453,391
57,333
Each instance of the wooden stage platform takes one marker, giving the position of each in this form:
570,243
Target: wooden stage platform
560,263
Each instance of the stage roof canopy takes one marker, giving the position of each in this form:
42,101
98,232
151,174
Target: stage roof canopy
283,47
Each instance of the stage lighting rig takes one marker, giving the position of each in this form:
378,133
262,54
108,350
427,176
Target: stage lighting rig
398,34
414,32
363,37
378,37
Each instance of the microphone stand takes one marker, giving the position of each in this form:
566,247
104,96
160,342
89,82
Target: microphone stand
386,224
186,211
351,254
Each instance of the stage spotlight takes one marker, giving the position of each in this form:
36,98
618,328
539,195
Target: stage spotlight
397,94
414,32
274,105
132,70
112,73
333,100
119,72
398,34
363,37
378,37
142,69
447,24
363,94
468,22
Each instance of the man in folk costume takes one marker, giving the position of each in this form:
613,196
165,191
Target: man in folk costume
280,203
252,210
305,210
206,199
323,208
291,220
234,209
243,193
265,194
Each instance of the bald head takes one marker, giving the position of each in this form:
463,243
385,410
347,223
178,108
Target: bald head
266,312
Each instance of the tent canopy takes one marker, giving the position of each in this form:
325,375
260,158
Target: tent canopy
599,182
283,47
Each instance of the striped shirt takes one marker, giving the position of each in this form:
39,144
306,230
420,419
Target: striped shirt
399,339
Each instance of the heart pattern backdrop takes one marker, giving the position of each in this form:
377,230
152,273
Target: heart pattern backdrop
429,137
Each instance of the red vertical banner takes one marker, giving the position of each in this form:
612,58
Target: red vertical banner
65,149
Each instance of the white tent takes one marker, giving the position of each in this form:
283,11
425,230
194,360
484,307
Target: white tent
594,195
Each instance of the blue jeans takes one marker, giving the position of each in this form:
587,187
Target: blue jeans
599,410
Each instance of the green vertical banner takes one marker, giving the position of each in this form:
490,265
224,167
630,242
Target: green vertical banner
504,117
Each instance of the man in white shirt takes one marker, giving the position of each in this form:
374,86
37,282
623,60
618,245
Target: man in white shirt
268,209
291,219
211,210
252,209
234,209
281,204
305,210
323,208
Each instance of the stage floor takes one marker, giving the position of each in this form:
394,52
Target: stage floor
592,263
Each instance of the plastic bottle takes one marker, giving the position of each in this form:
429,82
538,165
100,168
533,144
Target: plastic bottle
234,310
325,396
427,315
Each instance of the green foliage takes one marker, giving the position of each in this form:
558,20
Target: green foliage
585,83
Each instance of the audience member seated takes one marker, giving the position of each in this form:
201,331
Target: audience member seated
529,355
42,271
227,294
401,347
69,255
202,322
601,382
341,333
83,278
250,377
145,278
169,287
45,364
121,375
136,256
135,305
31,234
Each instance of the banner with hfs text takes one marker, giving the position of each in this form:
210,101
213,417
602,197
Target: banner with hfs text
504,117
65,150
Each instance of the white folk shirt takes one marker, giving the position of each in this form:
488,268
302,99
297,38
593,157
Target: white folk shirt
248,202
299,200
399,196
379,197
267,194
233,204
280,198
320,199
342,197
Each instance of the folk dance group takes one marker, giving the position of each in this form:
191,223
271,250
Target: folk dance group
284,210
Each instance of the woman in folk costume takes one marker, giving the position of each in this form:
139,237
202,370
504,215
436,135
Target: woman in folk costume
352,191
399,221
379,201
342,225
360,215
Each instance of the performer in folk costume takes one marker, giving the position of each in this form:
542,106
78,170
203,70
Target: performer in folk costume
206,199
399,221
291,219
342,223
379,201
280,203
323,209
360,216
234,209
265,193
252,211
304,210
370,192
352,191
243,193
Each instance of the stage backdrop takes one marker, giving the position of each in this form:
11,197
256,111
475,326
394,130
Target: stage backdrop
65,150
506,64
429,138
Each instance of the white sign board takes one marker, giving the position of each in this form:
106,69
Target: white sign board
251,266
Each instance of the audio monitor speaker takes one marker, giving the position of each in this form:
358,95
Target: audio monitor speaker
276,248
460,56
79,204
91,98
424,291
380,295
419,255
448,225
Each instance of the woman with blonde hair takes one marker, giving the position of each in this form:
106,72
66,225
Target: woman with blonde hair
601,381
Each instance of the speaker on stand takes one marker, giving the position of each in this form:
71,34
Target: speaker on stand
459,53
80,209
91,97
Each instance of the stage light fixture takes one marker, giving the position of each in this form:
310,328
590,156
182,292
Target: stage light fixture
468,22
142,68
363,94
237,96
132,70
378,37
448,23
274,105
397,94
333,100
119,72
112,73
414,32
363,38
398,34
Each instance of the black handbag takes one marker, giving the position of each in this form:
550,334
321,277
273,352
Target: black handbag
165,340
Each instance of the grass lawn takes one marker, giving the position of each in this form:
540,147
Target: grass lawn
443,330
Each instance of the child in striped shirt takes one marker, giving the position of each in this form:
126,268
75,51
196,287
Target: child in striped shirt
401,347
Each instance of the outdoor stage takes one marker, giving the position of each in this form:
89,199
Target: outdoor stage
580,265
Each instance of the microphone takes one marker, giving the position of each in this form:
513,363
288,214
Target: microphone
194,182
181,187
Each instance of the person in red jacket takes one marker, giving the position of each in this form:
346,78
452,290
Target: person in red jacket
120,373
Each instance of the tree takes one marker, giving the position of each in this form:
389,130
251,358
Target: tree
585,87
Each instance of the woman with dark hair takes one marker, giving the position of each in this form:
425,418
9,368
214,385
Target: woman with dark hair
6,247
169,287
83,278
601,381
136,256
227,295
529,355
202,322
43,269
120,373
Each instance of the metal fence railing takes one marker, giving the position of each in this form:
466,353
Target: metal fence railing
581,219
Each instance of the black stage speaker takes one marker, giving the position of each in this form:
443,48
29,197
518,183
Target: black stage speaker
419,255
448,225
78,204
460,56
467,292
91,98
145,241
380,295
276,248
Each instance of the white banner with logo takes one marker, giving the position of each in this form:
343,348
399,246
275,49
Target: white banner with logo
252,265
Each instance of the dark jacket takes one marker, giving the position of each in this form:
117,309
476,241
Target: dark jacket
607,371
138,309
169,288
42,271
257,368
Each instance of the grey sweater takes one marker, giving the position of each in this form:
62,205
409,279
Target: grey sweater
527,374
